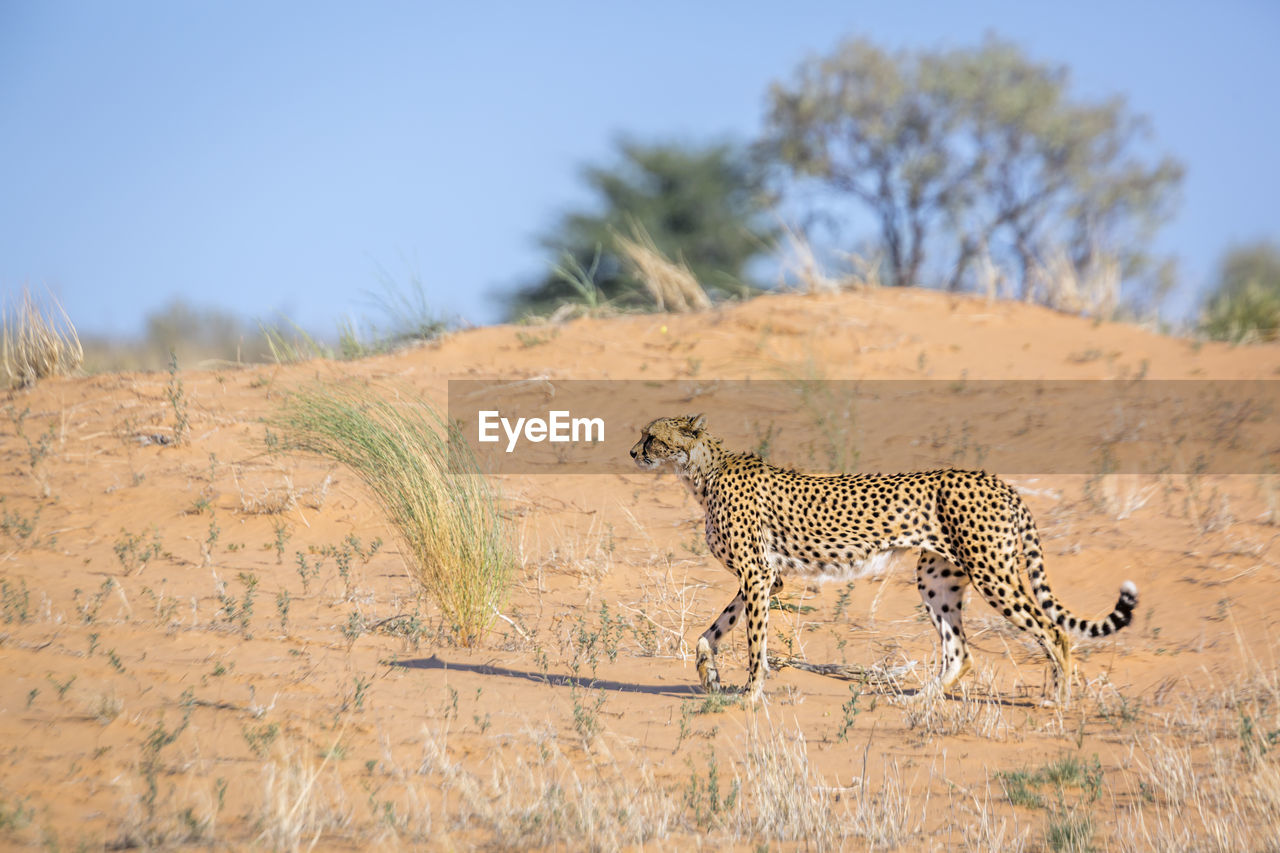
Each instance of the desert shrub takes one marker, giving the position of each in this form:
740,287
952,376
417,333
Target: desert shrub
39,341
1245,304
455,542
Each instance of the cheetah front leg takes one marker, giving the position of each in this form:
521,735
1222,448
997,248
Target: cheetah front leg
709,642
756,590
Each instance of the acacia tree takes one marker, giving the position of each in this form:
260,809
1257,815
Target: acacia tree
973,151
702,206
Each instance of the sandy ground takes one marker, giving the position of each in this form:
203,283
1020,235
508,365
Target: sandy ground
171,677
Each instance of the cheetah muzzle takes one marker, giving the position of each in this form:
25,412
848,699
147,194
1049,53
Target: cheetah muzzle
969,527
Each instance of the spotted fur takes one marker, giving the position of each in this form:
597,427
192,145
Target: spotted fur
968,526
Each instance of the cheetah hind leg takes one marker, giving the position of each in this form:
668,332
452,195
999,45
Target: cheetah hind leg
942,587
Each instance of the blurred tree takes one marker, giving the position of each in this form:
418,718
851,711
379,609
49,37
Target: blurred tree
972,155
198,334
1244,305
702,206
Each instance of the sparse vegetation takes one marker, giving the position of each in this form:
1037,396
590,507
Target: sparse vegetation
134,551
15,600
177,397
38,449
239,611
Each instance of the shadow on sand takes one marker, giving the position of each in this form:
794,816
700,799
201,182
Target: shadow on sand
553,679
674,691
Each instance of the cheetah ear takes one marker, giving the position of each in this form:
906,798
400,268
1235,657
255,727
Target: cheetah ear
697,422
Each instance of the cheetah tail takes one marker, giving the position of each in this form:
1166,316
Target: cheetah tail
1076,627
1121,616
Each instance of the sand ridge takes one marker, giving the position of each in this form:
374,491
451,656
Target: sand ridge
202,645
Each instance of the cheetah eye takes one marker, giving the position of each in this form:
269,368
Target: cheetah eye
658,445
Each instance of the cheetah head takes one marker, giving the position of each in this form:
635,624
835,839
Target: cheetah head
668,441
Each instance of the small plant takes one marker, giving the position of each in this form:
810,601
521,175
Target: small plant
240,611
703,798
354,628
687,710
18,527
157,741
61,687
1019,787
134,552
1070,830
177,400
210,541
851,711
842,601
586,712
16,816
282,537
38,449
15,599
165,611
361,688
342,555
90,607
1022,786
245,613
787,605
115,661
1254,744
306,572
353,542
715,703
528,340
259,738
282,608
451,707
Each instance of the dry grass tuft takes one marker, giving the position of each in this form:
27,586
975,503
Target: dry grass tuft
801,266
1055,282
446,515
672,286
38,342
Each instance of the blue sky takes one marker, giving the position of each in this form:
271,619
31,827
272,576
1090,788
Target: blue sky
268,157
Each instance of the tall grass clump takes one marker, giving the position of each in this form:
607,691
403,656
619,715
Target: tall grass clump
454,539
38,341
672,285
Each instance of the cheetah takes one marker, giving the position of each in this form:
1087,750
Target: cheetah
969,527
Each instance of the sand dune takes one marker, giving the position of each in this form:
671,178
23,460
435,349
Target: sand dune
202,644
